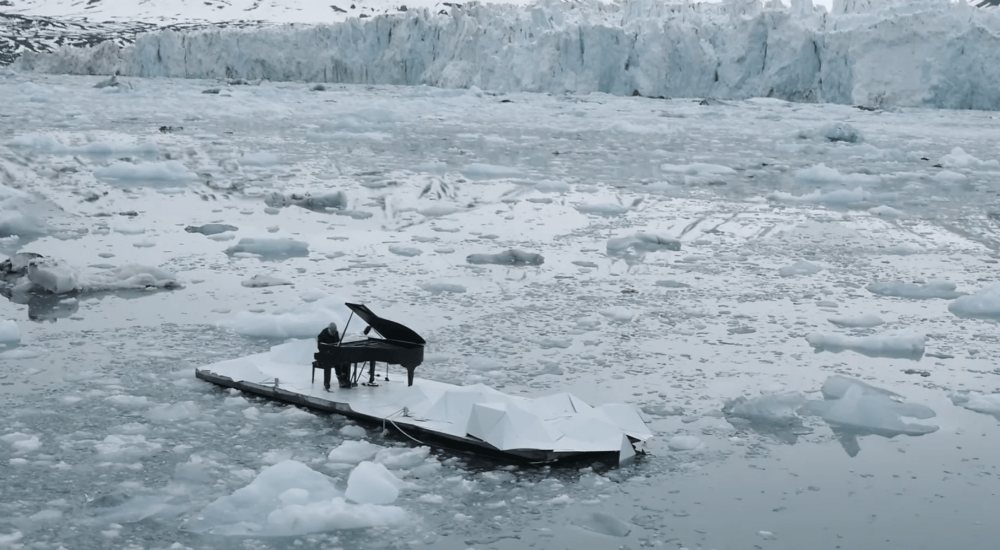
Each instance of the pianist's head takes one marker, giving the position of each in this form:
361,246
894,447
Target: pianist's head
332,328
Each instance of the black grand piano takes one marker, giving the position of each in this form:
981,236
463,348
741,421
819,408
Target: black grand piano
398,345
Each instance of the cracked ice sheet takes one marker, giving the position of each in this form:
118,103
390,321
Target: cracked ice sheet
737,330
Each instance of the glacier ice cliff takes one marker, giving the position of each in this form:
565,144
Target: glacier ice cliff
921,53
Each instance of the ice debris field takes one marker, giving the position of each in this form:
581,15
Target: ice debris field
801,299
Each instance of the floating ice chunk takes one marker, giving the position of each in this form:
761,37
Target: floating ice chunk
958,158
864,410
353,430
130,401
900,344
260,158
408,251
438,287
270,249
53,275
173,413
839,131
163,174
618,314
22,443
481,171
949,177
638,245
302,321
8,540
864,320
552,186
800,267
23,353
698,169
886,212
371,483
9,332
978,402
16,223
402,458
129,276
211,228
509,257
323,204
984,304
835,386
777,408
126,448
603,209
670,283
604,524
289,499
925,291
438,210
683,443
770,414
822,174
262,280
353,452
836,197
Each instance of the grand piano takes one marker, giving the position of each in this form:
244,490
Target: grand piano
398,345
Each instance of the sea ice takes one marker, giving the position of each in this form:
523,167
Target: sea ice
353,452
900,344
172,413
263,280
636,246
211,228
22,443
863,320
683,443
984,304
509,257
618,314
289,499
925,291
603,209
165,173
958,158
986,403
438,287
270,249
323,204
407,251
371,483
305,320
853,408
10,334
126,448
838,131
602,523
800,267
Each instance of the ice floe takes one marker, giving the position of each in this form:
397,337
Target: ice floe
509,257
899,343
983,304
917,291
289,499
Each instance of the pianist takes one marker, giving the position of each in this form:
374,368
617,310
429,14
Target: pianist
330,336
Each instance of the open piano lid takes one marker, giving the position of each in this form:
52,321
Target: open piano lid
390,330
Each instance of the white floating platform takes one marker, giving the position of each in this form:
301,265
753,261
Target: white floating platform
476,418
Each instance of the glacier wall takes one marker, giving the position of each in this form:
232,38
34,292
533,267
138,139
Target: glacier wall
921,53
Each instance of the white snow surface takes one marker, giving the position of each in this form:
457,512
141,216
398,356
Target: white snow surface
933,53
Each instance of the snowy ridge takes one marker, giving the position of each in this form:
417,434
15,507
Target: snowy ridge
930,54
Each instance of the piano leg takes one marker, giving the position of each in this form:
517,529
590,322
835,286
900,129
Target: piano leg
371,373
409,375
